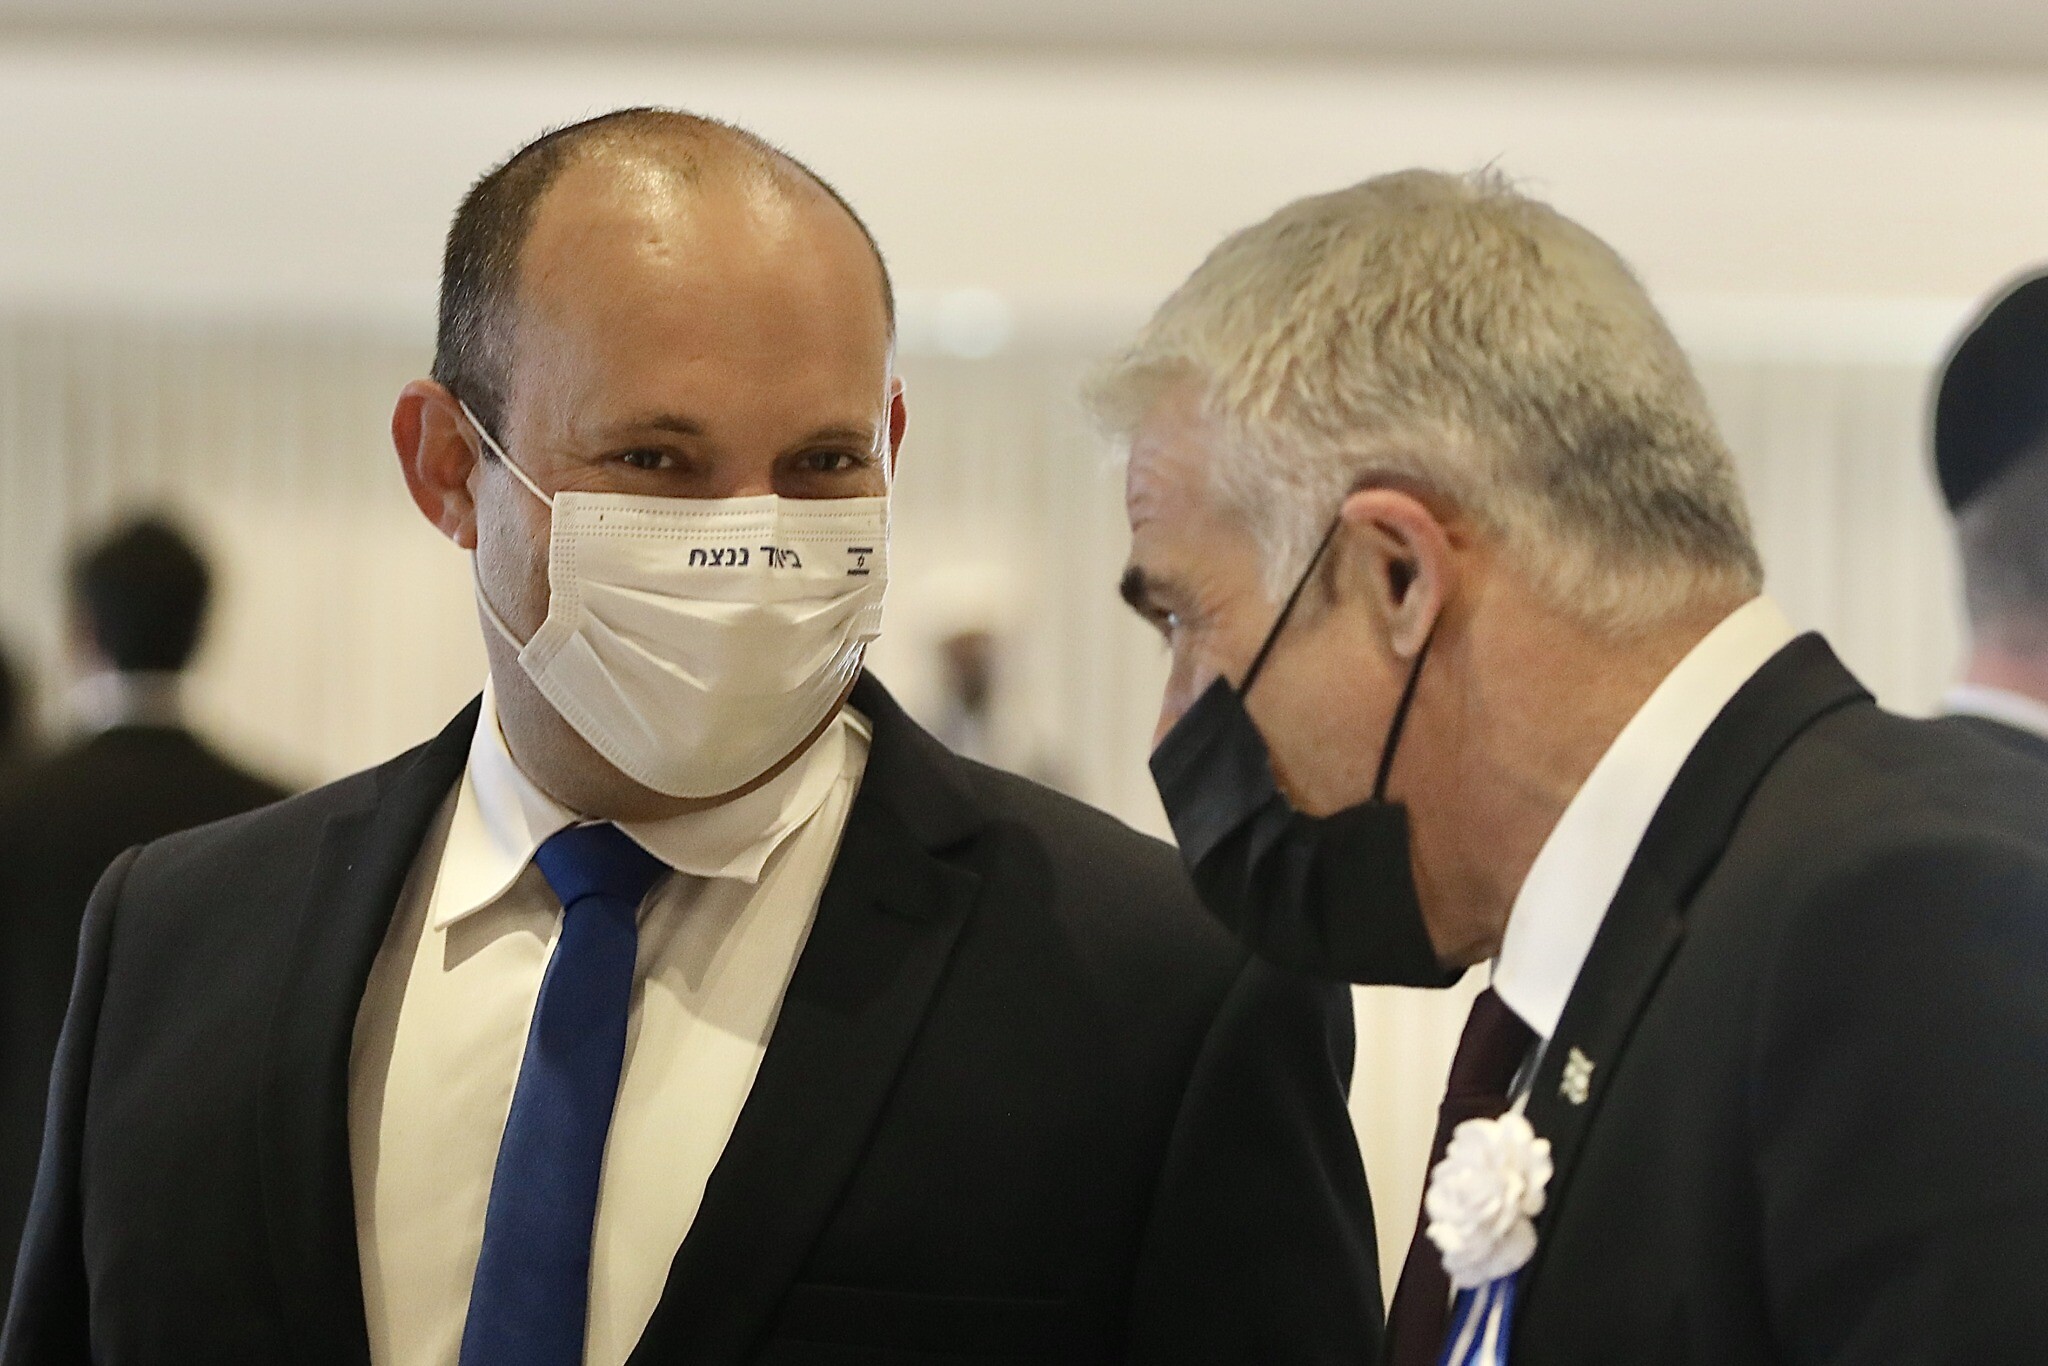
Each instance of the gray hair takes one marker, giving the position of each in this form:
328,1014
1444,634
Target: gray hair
1451,333
2003,534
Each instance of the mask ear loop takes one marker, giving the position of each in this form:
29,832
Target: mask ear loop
483,599
491,442
1251,675
1400,721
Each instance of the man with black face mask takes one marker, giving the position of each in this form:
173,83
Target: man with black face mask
1471,664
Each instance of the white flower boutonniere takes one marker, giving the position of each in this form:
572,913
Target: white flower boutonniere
1484,1196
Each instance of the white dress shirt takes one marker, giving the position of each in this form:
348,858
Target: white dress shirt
443,1023
2014,709
1579,869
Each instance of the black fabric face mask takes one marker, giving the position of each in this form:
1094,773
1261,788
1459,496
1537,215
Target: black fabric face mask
1331,896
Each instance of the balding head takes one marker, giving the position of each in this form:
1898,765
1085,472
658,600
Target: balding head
649,305
662,153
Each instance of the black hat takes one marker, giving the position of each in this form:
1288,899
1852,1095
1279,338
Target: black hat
1992,407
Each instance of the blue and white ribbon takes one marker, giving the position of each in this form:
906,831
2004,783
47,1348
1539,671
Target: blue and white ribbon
1480,1321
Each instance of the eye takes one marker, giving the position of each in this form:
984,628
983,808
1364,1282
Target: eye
646,458
828,461
1167,623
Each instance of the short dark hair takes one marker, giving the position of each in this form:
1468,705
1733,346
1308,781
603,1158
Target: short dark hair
480,267
142,590
1991,397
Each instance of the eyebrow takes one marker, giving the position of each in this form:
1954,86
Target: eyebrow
864,436
1136,589
674,423
678,425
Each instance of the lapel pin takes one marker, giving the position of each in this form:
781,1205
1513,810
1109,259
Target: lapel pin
1577,1082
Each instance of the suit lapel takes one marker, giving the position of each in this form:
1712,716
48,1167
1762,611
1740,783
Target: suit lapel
885,929
303,1138
1645,923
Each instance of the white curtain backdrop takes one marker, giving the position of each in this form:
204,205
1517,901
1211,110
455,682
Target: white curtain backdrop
346,631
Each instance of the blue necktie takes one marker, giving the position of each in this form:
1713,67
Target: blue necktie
530,1301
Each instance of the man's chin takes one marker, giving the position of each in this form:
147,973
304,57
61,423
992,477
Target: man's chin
569,769
628,799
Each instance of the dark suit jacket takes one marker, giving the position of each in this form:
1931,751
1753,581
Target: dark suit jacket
62,821
2024,741
1025,1102
1817,1015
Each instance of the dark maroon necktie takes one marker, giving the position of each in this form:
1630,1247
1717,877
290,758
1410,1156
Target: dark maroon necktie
1490,1052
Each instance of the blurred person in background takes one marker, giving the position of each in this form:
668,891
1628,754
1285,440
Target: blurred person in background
138,600
16,722
970,608
1470,663
969,668
1991,458
683,1000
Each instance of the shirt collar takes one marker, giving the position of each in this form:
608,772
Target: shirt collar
2010,708
501,818
1577,872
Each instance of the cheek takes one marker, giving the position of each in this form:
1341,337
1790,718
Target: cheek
512,557
1323,714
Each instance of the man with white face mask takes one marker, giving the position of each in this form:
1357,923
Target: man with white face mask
682,1002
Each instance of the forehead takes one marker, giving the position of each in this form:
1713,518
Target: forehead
1168,480
633,254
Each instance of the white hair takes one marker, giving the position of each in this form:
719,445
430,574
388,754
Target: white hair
1451,333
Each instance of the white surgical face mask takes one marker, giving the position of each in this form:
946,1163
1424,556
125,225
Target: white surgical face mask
695,643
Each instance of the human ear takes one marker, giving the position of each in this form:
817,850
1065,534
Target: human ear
432,438
899,418
1404,558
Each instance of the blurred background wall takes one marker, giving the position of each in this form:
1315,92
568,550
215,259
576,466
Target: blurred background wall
219,235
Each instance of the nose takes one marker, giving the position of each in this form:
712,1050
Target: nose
1173,705
1191,674
750,485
